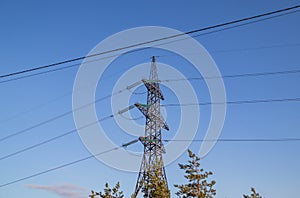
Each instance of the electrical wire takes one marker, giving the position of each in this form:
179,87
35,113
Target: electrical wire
137,93
78,64
65,134
290,139
284,72
231,27
60,97
165,105
58,167
296,71
237,49
70,66
159,39
136,118
59,116
39,73
257,48
134,141
39,106
66,67
69,164
54,138
254,101
177,79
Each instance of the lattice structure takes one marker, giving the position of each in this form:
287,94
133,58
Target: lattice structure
153,147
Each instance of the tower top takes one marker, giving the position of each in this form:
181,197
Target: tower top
153,59
153,70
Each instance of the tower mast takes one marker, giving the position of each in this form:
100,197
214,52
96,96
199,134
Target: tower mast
152,162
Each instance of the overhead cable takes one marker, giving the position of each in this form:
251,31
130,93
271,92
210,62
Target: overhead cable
292,9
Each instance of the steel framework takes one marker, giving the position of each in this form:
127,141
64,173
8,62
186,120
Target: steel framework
153,146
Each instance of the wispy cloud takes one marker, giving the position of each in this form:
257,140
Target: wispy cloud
64,190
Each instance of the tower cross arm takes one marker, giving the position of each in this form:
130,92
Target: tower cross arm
153,87
159,119
143,108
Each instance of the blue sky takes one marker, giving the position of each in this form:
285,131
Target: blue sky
35,33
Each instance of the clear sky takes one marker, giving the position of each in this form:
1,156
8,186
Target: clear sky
35,33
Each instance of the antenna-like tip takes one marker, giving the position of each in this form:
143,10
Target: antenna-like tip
153,59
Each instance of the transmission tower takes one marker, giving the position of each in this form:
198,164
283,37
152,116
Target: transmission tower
153,147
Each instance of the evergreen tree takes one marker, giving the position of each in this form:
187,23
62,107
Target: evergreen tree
157,187
108,192
198,185
254,194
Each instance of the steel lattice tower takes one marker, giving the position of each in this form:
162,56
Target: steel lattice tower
153,147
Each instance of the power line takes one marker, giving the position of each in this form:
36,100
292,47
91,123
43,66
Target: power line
57,98
244,24
59,116
290,139
155,40
165,105
283,72
62,68
258,48
244,19
78,64
234,102
183,79
35,126
58,167
39,106
39,73
54,138
231,27
214,31
283,45
64,134
68,164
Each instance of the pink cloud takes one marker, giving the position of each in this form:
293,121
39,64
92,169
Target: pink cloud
64,191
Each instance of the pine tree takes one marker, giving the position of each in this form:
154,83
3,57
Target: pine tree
198,185
108,192
254,194
157,187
